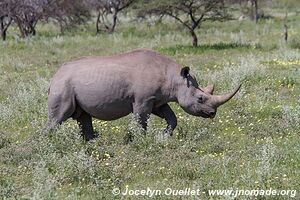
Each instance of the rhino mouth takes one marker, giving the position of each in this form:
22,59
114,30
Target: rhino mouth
212,116
208,115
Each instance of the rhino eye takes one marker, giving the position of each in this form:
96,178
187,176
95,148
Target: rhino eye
201,99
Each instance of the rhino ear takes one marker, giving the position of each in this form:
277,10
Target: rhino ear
185,72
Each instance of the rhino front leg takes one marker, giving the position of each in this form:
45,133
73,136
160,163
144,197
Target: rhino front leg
50,125
85,123
142,112
165,112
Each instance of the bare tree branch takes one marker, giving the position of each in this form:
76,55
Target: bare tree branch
190,13
108,11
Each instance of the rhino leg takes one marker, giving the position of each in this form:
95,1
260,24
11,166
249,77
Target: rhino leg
142,112
61,106
85,123
50,124
165,112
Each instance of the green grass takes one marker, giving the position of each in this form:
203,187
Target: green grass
184,49
253,143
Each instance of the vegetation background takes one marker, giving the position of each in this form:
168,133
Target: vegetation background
253,143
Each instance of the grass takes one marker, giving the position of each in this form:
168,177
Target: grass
183,49
253,143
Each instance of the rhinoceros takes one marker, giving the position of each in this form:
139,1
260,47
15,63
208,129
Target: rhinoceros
141,82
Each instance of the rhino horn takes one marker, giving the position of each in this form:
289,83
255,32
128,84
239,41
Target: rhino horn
221,99
209,89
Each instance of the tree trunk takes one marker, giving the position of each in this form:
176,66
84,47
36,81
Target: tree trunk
4,27
112,29
3,31
285,33
22,31
255,11
195,38
3,35
97,23
286,28
32,30
62,28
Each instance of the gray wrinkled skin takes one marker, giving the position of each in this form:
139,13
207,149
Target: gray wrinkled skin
139,82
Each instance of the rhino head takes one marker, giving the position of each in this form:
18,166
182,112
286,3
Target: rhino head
199,101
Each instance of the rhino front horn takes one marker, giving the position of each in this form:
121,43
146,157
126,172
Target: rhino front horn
221,99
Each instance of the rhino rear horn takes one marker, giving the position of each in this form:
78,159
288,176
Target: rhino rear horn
209,89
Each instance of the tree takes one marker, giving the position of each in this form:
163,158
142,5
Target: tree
108,11
5,19
26,15
190,13
67,13
249,7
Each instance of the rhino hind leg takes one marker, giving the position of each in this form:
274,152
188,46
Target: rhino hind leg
85,123
165,112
